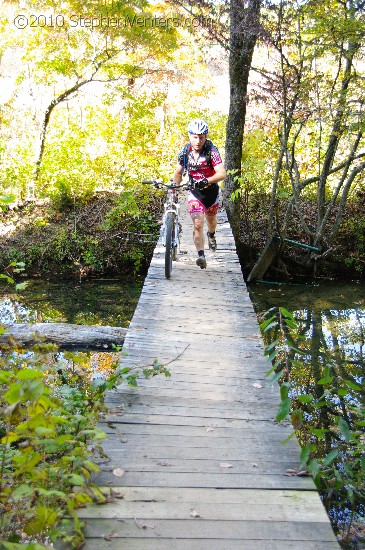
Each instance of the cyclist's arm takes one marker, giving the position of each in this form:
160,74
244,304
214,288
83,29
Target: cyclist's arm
177,177
220,174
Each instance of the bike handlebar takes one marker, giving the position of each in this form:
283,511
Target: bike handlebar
168,185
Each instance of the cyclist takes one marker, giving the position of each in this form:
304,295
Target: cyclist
201,159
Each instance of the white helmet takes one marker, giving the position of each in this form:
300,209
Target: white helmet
198,126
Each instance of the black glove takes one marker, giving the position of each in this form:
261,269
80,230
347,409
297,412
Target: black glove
201,184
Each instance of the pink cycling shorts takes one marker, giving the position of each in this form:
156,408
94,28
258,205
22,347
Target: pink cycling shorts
196,206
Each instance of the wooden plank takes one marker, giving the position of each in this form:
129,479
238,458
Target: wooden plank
216,496
192,479
218,454
221,530
191,415
211,446
116,543
252,505
250,430
145,463
305,499
265,259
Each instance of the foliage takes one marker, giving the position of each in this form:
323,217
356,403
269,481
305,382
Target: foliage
110,233
53,59
45,437
90,107
309,90
259,149
49,441
323,395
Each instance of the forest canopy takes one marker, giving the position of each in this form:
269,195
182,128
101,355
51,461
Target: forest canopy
97,95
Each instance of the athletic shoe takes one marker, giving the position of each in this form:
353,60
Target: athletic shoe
201,262
212,242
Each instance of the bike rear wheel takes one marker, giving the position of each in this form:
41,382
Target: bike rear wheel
170,231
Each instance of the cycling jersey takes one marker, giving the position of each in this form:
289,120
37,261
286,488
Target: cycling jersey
200,169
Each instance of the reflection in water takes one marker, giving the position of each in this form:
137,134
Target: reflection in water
96,302
326,388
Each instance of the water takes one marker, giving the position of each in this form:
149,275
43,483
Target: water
330,371
97,302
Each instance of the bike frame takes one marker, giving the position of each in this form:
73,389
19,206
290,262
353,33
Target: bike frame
171,226
171,205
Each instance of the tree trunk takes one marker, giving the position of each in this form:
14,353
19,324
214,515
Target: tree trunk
63,97
66,336
244,31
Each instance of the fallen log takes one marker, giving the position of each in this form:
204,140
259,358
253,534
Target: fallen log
66,336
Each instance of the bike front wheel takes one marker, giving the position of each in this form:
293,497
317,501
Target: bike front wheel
170,232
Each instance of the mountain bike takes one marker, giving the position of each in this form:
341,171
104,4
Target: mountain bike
171,226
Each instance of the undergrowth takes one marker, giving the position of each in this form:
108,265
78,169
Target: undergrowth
49,442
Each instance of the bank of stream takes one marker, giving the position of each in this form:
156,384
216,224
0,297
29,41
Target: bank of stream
330,317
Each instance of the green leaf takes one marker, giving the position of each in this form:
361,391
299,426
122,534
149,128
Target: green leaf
330,457
265,323
353,386
286,313
297,350
44,519
325,380
305,398
13,394
32,390
42,431
273,355
304,456
7,199
22,491
314,467
284,390
283,410
9,438
288,438
52,493
76,479
28,374
271,346
21,286
345,429
4,377
270,325
9,279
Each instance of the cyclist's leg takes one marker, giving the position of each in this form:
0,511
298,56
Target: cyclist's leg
198,231
211,222
197,209
211,217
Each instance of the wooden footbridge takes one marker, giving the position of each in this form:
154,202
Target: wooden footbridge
196,461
